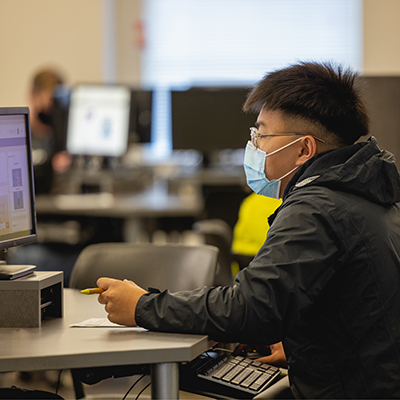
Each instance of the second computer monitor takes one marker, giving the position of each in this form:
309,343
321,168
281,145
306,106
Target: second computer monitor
210,119
98,121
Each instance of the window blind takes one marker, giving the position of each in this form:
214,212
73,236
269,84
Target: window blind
236,42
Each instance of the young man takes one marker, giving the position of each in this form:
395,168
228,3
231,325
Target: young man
326,281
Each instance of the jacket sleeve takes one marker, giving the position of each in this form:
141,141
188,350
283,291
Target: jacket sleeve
299,257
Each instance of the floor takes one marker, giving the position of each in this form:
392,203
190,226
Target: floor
108,389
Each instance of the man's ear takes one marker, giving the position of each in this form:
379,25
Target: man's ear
307,150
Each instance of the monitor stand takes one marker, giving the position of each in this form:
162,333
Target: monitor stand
26,301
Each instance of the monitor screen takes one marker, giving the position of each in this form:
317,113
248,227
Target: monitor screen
17,198
98,120
210,119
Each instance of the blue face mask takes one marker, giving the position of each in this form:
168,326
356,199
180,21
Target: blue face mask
254,167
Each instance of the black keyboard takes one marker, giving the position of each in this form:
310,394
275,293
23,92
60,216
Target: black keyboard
221,373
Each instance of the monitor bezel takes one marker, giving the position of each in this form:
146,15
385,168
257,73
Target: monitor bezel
32,237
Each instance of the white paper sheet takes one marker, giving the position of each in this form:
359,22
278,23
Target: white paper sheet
103,323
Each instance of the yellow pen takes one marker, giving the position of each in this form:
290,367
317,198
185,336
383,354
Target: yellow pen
92,291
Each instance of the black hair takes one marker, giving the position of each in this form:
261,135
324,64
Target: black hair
320,93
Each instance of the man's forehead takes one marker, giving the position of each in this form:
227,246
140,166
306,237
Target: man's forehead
270,118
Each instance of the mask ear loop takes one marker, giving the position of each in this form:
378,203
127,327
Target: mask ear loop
284,176
284,147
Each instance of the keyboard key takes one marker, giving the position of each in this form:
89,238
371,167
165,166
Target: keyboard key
230,375
220,372
222,360
241,373
250,379
261,381
269,369
256,363
242,376
244,364
206,369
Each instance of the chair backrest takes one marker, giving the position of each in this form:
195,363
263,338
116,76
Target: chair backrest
217,232
168,266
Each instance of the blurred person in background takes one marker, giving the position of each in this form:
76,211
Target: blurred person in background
48,156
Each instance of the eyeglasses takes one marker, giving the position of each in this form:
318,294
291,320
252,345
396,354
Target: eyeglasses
255,135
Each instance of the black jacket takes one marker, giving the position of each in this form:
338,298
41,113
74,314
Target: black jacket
326,281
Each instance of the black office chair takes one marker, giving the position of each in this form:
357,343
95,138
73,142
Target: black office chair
168,266
217,232
164,266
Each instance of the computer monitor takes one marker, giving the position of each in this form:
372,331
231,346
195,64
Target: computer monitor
17,196
139,116
59,116
98,120
210,119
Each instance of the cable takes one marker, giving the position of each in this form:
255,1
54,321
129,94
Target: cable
136,398
58,381
222,349
137,380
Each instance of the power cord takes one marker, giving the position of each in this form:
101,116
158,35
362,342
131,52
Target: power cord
134,384
136,398
58,381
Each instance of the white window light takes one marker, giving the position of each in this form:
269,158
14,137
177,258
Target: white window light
236,42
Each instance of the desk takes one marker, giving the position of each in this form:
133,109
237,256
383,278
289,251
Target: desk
57,346
150,203
218,176
133,208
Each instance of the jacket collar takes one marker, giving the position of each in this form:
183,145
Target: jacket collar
362,169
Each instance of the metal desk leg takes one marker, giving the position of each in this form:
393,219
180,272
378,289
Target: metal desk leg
165,381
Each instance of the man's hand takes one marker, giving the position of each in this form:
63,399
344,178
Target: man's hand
276,357
120,299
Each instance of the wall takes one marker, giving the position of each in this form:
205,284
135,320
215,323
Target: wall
65,34
68,34
381,37
382,71
128,41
